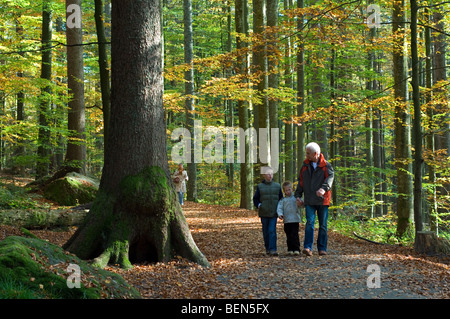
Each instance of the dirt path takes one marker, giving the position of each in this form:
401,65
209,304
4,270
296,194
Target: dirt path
231,239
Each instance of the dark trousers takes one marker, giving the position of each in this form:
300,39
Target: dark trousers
292,238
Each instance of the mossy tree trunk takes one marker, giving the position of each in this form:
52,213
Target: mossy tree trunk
135,216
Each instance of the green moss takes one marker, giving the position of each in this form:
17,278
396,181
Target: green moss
136,221
33,268
73,189
148,189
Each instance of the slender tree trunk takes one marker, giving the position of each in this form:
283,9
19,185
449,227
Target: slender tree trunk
417,127
442,139
333,143
241,18
441,96
76,147
402,121
104,68
301,128
42,168
430,137
272,68
20,111
189,96
135,216
371,86
289,126
260,68
229,104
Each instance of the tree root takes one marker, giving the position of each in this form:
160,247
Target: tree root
368,240
143,222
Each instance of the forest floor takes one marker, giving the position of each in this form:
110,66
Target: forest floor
231,239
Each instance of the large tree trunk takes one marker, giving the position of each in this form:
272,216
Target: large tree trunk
136,216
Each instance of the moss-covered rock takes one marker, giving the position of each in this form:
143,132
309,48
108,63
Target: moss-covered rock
32,268
72,189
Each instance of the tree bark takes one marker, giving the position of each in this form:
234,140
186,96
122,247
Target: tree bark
42,218
434,223
260,109
301,128
136,216
442,140
241,18
371,86
402,121
289,174
20,111
272,79
76,148
425,242
441,107
417,127
42,168
189,96
103,68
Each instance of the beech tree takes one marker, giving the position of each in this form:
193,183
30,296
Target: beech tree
189,95
241,17
136,216
76,149
402,121
42,167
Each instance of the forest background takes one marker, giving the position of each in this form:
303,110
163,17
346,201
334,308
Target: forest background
367,81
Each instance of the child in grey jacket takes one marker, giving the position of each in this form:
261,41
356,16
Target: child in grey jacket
287,211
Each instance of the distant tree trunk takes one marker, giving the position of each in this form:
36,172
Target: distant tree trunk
229,104
42,167
417,127
371,86
189,96
20,113
135,216
103,68
440,94
442,139
402,121
333,143
434,224
301,128
378,161
289,126
272,68
261,109
76,147
241,18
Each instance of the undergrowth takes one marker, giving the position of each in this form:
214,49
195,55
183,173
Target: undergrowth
379,229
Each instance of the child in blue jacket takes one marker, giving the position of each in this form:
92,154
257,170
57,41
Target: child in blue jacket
288,211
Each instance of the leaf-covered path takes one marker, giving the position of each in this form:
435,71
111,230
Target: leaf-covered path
231,239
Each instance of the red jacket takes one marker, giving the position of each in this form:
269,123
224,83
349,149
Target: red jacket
311,180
